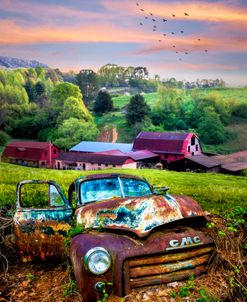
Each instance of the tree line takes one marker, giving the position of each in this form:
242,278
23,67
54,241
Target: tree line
46,104
37,104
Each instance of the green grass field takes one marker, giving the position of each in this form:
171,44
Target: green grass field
217,193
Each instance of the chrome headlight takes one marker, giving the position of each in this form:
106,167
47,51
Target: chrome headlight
97,260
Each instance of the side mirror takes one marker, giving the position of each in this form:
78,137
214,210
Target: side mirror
160,190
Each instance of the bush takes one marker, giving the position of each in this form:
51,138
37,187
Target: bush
4,138
240,110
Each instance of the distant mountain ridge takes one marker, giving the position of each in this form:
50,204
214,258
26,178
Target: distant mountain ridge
9,62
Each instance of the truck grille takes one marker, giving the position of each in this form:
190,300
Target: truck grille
165,268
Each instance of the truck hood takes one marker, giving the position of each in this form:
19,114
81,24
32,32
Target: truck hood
139,215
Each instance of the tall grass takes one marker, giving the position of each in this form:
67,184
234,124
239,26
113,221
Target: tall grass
217,193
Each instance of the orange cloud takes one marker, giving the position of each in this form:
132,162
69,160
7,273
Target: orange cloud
12,33
197,10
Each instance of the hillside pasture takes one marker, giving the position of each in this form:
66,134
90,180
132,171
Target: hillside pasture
236,129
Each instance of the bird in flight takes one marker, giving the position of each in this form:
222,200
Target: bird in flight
137,4
142,9
141,23
173,15
186,14
164,35
153,20
181,31
172,33
206,50
164,20
150,14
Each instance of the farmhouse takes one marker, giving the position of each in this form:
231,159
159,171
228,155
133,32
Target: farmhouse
93,161
30,153
170,146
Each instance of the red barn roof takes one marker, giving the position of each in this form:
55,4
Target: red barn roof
29,144
162,142
25,150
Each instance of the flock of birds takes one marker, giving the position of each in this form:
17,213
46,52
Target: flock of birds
149,16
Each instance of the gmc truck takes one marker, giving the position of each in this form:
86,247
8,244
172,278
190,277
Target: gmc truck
133,235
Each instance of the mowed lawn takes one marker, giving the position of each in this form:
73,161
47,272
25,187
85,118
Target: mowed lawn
217,193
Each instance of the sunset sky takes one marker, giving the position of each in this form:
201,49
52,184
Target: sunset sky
209,36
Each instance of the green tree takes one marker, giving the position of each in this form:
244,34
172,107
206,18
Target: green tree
140,73
3,76
137,110
54,75
4,138
40,71
30,89
58,97
62,91
109,75
169,108
40,88
103,102
210,127
214,100
74,107
87,80
72,131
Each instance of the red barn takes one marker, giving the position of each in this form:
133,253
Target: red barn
170,146
30,153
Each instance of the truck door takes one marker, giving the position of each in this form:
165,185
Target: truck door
43,217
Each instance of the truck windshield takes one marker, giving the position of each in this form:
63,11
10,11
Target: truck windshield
105,188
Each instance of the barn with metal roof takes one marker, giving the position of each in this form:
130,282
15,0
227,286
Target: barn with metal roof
31,153
170,146
90,147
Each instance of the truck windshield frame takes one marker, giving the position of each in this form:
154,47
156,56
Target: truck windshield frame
106,188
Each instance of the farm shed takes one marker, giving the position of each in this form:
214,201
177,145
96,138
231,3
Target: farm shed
93,161
31,153
90,147
234,163
143,158
196,163
170,146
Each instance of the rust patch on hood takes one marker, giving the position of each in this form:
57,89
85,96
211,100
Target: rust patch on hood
139,215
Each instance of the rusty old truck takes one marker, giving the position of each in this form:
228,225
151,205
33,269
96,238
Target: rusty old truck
133,234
